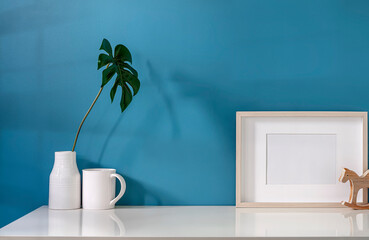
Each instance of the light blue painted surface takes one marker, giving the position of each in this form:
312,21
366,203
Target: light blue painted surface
199,61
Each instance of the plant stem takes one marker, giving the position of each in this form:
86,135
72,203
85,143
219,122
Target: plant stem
84,118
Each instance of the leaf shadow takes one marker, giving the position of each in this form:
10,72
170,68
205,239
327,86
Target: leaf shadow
154,76
108,137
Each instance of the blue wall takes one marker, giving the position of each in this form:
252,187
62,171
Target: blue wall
199,61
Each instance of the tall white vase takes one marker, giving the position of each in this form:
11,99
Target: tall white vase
65,182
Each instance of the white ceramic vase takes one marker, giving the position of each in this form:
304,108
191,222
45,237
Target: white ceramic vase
65,182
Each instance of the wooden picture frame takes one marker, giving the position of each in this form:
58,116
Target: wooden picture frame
247,120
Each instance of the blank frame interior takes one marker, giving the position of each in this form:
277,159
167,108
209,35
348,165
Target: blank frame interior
314,153
297,157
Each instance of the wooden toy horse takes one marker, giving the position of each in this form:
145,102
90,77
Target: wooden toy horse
356,183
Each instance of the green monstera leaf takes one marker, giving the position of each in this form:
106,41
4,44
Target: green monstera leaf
119,65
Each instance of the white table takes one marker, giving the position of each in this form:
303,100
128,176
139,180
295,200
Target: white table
173,222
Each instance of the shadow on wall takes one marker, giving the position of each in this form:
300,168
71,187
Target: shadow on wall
107,139
155,78
211,99
135,191
219,102
142,194
157,82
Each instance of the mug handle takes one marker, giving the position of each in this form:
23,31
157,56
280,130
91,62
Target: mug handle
122,188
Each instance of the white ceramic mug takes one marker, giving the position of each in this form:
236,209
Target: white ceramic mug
98,188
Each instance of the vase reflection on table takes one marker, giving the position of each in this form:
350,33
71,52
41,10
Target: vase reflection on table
85,223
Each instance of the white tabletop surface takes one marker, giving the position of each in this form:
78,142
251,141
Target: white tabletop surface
190,221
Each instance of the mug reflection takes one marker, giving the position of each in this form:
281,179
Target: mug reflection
85,223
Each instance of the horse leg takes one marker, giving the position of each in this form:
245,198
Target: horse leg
354,197
351,191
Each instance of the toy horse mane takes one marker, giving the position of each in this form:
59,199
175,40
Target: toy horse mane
366,173
348,170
